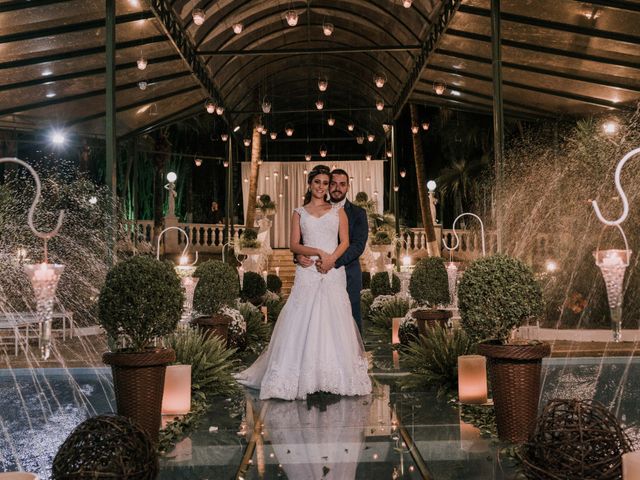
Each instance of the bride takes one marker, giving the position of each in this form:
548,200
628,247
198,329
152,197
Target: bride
315,344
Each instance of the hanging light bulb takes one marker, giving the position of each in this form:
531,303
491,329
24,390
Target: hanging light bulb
304,172
389,153
237,28
379,104
142,84
319,104
247,142
403,173
351,127
198,16
360,139
367,157
198,162
323,151
260,127
307,157
292,17
371,137
379,79
219,110
331,121
210,106
415,129
323,84
425,125
368,179
396,188
327,29
266,105
225,164
407,3
288,129
142,63
439,87
264,131
224,137
273,135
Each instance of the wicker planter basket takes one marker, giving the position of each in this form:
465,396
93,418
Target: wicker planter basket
138,382
214,325
514,371
428,319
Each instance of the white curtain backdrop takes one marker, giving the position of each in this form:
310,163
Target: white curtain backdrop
288,193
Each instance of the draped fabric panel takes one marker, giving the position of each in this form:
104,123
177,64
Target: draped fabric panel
288,193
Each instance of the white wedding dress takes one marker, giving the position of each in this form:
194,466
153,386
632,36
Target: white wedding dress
315,344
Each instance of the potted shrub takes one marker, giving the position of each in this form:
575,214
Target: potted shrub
253,288
429,287
380,284
218,287
249,243
496,295
274,284
140,300
265,205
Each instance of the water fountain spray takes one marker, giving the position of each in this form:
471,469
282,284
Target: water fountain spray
613,263
44,276
185,271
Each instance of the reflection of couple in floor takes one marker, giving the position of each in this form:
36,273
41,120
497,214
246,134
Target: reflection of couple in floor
316,344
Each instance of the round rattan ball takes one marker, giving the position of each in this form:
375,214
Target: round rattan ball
106,446
575,440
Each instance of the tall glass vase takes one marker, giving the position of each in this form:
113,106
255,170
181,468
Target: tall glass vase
613,264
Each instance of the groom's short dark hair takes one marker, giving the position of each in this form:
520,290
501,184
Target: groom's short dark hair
339,171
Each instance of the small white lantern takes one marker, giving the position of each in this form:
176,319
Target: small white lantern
472,379
176,399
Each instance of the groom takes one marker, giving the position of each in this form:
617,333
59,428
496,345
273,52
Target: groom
358,233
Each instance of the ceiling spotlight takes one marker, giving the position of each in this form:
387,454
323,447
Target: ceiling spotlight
323,84
327,29
198,16
273,135
331,121
425,125
360,140
57,138
367,157
266,105
407,3
237,28
288,129
224,137
379,104
219,110
380,79
292,18
247,142
415,129
351,127
403,173
307,157
439,87
323,151
210,106
198,162
142,85
371,137
142,63
319,104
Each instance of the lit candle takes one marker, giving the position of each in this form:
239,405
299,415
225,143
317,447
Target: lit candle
395,330
44,273
241,275
611,258
631,466
264,275
277,269
472,379
265,314
176,399
389,269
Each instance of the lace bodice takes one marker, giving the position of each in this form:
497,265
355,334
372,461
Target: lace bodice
320,232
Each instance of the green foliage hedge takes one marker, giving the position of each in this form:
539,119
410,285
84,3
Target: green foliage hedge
380,284
366,299
274,284
381,238
366,280
141,299
258,333
429,284
496,295
253,287
218,286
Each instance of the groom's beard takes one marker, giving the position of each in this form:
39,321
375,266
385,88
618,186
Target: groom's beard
337,196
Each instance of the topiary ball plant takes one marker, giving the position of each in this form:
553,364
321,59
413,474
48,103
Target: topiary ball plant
380,284
361,197
496,295
253,287
274,284
249,239
366,280
429,284
381,238
218,286
141,299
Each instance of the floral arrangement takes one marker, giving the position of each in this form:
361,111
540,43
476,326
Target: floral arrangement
237,328
408,327
249,239
380,302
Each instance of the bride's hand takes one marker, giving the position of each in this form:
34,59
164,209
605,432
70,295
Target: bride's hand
325,257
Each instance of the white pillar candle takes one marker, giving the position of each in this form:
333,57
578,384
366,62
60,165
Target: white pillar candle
265,314
631,466
241,275
176,399
277,269
472,379
264,275
395,329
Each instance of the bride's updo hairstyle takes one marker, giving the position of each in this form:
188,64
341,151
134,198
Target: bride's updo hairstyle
317,170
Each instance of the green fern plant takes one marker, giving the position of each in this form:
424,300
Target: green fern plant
211,362
258,332
433,360
274,307
380,319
